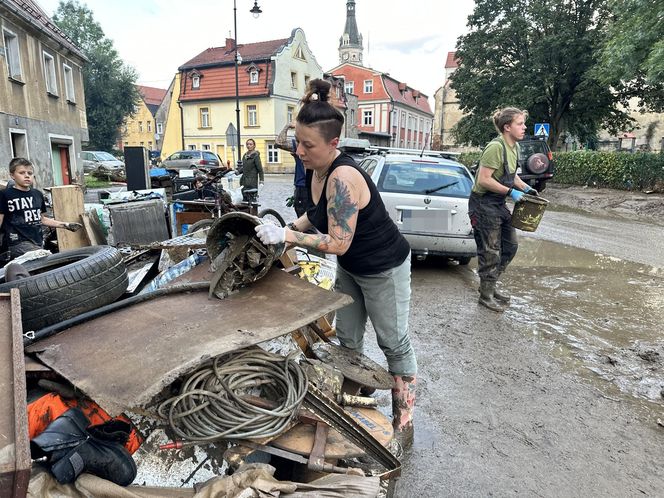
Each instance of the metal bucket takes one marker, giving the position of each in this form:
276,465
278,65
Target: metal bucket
528,213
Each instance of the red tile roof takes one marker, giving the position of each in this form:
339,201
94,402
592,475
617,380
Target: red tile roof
452,60
219,82
400,92
226,54
151,95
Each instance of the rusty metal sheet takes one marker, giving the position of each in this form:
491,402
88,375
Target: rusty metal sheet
122,360
15,460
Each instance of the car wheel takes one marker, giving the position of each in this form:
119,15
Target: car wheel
464,261
66,284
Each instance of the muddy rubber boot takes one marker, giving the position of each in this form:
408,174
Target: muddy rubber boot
403,407
487,299
501,296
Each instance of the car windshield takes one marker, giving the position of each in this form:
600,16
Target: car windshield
425,178
527,149
105,156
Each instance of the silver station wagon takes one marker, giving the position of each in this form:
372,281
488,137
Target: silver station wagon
426,194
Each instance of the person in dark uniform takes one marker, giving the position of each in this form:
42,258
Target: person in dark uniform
22,210
252,170
373,258
496,179
301,198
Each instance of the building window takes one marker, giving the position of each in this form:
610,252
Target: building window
290,113
149,125
140,126
367,117
272,154
69,83
49,74
126,144
191,147
160,128
204,113
12,54
252,115
349,87
293,79
253,77
368,86
299,54
352,116
306,81
142,144
195,81
150,145
206,147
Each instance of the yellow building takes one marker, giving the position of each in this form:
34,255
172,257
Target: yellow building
141,128
272,78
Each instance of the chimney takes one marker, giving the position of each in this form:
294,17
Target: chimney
230,44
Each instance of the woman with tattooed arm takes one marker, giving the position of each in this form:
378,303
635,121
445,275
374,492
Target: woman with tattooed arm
373,257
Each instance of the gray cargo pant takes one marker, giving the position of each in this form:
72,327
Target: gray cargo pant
385,299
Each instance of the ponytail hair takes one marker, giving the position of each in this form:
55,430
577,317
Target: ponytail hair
316,111
505,116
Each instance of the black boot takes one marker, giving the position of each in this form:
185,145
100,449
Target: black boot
487,299
501,296
108,460
66,431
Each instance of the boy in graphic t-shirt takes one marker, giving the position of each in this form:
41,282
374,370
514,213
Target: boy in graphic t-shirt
22,212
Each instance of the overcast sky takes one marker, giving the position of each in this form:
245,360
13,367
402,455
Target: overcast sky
407,38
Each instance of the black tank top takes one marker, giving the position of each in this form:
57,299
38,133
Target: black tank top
377,244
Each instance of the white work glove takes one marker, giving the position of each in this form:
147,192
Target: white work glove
271,234
261,185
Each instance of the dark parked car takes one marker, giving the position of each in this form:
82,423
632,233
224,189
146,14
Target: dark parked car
190,159
535,163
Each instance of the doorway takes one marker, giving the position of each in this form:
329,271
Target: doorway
19,143
61,159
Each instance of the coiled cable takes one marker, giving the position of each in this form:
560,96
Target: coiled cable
212,403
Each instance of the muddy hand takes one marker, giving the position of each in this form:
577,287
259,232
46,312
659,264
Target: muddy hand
532,191
73,227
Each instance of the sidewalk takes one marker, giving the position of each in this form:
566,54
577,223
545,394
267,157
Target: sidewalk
617,203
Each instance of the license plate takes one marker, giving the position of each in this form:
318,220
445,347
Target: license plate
426,220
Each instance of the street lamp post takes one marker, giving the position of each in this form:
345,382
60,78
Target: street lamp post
256,11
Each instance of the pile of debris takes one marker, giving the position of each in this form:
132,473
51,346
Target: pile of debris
208,369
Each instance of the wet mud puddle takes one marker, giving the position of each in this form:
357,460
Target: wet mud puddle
600,314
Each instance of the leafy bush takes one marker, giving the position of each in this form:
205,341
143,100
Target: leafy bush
619,170
469,158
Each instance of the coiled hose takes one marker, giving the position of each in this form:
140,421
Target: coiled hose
213,405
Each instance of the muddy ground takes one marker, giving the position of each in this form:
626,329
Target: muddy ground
559,396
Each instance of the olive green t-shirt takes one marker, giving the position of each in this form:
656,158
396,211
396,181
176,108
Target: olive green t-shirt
492,157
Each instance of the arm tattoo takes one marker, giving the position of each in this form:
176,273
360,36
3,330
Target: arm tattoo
340,211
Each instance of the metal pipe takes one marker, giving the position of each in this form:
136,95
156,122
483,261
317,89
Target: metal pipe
237,87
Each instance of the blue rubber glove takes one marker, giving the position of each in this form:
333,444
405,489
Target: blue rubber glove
516,195
531,191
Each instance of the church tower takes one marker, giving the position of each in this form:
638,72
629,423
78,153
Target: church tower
350,43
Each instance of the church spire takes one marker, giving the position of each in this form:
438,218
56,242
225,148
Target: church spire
350,43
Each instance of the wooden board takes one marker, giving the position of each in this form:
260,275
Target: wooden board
300,439
15,460
123,359
68,206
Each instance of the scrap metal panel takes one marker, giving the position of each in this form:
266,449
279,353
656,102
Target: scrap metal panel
15,460
138,223
122,360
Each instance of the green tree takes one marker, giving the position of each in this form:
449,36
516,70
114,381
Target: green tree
110,91
537,55
634,51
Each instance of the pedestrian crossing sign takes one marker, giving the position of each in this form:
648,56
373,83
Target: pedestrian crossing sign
542,129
